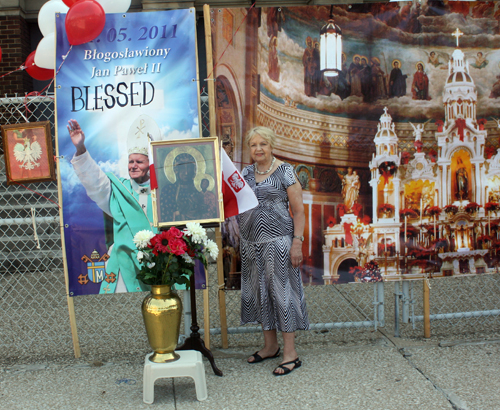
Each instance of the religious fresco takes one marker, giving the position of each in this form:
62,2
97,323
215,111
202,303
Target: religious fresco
394,55
397,154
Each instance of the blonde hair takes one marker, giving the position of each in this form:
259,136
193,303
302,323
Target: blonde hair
266,133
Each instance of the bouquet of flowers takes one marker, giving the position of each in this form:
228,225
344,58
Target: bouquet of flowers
484,238
433,155
357,272
472,207
386,208
168,258
341,209
410,213
405,157
490,151
434,210
491,206
371,272
450,209
356,209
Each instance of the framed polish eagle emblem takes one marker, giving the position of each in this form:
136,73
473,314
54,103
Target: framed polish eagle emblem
28,152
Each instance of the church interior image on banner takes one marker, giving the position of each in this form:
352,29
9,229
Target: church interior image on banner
396,149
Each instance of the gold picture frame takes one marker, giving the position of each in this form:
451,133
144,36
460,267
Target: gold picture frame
28,152
189,182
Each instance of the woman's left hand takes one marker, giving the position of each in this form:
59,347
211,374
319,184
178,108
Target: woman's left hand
296,252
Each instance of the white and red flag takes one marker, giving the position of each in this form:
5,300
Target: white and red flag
238,196
153,182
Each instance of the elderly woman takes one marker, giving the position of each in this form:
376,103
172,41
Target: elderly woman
271,251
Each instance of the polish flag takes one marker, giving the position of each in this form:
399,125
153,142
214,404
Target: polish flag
153,182
238,196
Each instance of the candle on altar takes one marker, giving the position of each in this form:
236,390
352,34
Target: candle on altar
406,221
421,208
385,242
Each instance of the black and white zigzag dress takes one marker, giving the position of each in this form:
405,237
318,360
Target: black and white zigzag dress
271,289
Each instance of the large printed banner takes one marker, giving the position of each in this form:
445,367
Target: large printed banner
136,82
396,153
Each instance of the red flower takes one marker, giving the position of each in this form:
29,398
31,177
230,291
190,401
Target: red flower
451,209
331,221
489,151
177,246
472,207
434,210
405,157
356,209
159,243
174,233
433,155
341,209
491,206
408,212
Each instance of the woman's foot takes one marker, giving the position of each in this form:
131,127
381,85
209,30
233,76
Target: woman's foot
262,355
287,367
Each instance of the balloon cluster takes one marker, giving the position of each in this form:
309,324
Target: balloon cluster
85,20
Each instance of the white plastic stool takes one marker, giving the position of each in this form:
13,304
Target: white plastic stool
190,364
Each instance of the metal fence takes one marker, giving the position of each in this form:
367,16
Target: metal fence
33,300
459,306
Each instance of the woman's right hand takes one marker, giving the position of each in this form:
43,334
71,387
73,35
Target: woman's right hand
77,137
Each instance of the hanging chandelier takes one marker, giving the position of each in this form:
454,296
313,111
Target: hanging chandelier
330,47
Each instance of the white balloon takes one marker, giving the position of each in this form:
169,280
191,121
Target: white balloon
115,6
46,52
47,15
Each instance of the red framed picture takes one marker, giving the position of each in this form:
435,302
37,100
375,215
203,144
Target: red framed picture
28,152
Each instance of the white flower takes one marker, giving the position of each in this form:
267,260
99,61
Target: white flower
140,256
212,248
187,258
196,231
151,265
142,238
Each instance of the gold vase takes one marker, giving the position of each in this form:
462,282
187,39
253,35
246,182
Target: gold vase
162,312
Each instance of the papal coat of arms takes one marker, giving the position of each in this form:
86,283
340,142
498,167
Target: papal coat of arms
96,269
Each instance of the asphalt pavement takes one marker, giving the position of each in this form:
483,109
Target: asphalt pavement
382,373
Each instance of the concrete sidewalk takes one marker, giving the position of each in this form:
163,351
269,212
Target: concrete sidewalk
388,373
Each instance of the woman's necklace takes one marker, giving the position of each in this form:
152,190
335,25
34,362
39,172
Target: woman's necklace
265,172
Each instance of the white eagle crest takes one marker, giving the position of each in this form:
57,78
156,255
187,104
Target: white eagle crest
28,154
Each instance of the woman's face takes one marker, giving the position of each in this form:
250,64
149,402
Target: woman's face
260,149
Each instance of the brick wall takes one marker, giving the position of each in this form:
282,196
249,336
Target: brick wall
15,43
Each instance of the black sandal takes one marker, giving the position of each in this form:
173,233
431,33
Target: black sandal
296,364
258,358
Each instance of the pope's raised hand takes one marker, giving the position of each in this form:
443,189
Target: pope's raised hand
77,136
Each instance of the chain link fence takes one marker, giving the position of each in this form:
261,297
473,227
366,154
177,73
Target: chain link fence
460,307
34,304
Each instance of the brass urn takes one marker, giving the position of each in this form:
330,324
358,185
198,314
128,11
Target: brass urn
162,312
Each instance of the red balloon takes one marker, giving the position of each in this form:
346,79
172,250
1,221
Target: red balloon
69,3
38,73
85,20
